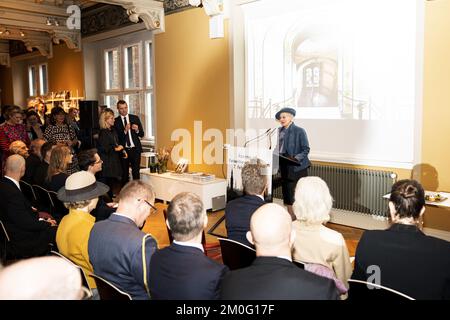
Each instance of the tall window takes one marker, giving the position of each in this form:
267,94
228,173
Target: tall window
128,75
37,80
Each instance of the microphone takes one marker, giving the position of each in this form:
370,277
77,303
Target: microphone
261,135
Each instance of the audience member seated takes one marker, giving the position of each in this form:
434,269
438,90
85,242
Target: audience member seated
116,245
57,174
44,278
80,195
239,211
402,257
90,161
315,243
170,278
29,235
272,275
20,148
41,172
33,161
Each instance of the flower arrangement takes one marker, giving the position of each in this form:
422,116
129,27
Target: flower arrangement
163,156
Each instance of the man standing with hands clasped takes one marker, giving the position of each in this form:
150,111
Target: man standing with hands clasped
129,131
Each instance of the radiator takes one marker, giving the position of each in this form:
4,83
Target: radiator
358,190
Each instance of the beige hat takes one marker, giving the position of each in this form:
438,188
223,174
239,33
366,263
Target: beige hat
81,186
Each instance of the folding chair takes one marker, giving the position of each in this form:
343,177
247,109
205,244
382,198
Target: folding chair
236,255
108,291
367,291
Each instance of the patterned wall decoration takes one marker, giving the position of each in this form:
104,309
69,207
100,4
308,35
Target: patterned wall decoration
101,18
172,6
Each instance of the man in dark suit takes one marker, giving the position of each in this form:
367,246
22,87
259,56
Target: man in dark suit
182,271
117,246
293,145
33,160
129,131
239,211
41,170
273,276
29,235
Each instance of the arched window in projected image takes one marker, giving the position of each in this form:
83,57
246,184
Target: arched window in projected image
316,73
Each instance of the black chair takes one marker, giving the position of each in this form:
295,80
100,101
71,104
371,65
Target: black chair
28,191
4,238
366,291
57,209
236,255
108,291
44,201
83,274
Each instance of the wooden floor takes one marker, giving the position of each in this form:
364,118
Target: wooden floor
156,226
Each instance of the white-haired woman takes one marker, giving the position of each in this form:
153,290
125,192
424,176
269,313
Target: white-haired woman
315,243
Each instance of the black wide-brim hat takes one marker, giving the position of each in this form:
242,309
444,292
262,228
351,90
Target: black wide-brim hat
81,186
288,110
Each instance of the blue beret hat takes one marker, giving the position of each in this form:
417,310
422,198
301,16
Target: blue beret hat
288,110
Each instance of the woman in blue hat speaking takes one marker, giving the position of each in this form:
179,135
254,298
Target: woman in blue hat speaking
293,150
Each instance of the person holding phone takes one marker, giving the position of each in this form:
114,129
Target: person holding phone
129,130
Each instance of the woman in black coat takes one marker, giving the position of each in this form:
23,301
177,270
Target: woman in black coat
109,150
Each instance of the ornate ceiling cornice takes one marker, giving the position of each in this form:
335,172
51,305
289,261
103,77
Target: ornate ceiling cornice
149,11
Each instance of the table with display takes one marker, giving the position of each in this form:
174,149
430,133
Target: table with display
167,185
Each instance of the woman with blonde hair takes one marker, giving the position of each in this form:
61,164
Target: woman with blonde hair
60,159
110,151
315,243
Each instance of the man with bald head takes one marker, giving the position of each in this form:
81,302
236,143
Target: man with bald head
29,235
44,278
273,276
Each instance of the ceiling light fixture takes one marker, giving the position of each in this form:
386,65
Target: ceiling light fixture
22,34
48,22
7,33
56,23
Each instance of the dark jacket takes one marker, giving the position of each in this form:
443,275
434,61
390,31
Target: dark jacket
29,237
118,124
40,174
409,261
31,164
237,217
272,278
184,273
107,141
295,145
115,252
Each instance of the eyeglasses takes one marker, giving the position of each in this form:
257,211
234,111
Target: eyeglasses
151,206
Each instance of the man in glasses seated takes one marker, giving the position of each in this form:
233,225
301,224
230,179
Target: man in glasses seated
118,250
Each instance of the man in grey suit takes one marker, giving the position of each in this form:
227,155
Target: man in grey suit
273,276
117,249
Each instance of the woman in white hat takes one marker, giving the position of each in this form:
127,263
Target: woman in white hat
80,195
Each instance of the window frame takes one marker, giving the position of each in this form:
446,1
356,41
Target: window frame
146,64
36,85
